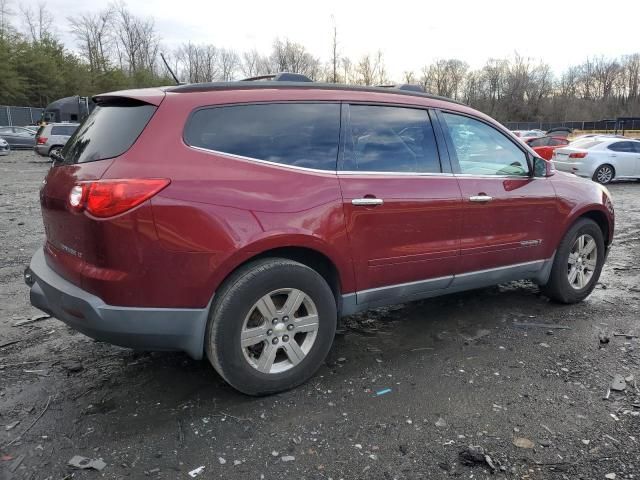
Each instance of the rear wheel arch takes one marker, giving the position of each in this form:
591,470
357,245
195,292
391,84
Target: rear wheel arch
310,257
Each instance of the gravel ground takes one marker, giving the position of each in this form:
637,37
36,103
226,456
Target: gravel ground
460,370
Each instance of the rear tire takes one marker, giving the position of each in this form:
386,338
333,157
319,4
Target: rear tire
256,355
604,174
566,284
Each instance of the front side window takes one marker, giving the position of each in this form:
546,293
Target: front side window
390,139
296,134
483,150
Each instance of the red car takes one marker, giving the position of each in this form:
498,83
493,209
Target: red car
544,146
239,221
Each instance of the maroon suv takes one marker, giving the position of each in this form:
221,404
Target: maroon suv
241,220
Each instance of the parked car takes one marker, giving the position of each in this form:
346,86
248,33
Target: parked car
525,135
5,149
544,146
562,132
602,159
52,137
33,128
18,137
239,221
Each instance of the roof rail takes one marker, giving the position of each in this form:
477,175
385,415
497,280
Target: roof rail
280,77
412,87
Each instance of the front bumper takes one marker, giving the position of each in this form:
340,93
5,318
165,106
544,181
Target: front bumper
145,328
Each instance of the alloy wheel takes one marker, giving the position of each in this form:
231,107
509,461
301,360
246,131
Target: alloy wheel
279,330
604,174
583,260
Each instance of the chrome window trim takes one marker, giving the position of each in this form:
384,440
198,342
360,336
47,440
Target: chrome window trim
264,162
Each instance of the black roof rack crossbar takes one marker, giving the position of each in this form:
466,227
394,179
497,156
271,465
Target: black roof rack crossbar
280,77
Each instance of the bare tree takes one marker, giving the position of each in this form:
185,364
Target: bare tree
6,13
95,37
253,64
38,22
137,42
335,57
229,63
288,56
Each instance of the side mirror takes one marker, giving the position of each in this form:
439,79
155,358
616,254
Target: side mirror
542,167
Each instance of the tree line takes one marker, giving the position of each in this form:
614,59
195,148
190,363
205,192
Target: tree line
115,49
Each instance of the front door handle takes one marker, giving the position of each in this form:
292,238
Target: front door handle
480,198
366,202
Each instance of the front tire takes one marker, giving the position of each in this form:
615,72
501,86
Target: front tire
577,264
604,174
271,326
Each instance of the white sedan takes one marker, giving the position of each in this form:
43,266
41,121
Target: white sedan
600,158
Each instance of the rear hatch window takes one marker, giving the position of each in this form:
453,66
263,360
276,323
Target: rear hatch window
110,130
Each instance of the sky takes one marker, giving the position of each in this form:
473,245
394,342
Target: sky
410,33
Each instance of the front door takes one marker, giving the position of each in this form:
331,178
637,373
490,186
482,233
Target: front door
402,208
509,215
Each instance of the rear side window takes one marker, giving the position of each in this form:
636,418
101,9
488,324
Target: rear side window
109,131
296,134
63,130
390,139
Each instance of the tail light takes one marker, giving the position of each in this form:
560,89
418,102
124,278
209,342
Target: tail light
107,198
578,155
41,140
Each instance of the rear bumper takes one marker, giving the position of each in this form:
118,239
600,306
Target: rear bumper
179,329
41,150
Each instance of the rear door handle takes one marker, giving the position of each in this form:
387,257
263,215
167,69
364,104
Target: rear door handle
366,202
480,198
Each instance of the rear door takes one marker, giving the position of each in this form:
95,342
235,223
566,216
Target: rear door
623,157
507,212
402,207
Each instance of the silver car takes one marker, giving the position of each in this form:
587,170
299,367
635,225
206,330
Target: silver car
52,137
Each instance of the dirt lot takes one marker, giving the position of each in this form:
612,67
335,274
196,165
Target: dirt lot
460,370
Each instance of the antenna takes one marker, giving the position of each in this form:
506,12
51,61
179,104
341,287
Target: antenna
169,68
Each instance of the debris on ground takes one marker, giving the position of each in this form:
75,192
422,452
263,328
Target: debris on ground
603,338
610,476
288,458
441,423
383,392
84,463
221,461
475,455
31,320
12,425
197,471
16,463
618,383
522,442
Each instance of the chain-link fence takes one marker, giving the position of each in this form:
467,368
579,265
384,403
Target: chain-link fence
19,116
